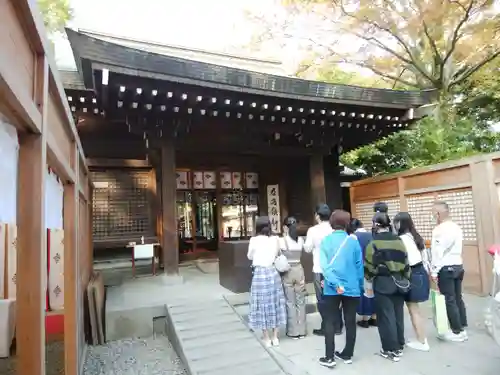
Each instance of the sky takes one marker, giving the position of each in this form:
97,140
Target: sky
216,25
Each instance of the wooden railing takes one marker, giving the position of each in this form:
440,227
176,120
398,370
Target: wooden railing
32,99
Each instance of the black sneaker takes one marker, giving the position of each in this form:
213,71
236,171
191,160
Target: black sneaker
338,332
347,360
389,355
318,332
399,352
327,362
293,337
363,324
372,322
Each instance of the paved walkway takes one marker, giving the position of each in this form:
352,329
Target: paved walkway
478,356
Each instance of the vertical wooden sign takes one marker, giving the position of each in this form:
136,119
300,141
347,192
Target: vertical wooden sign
273,207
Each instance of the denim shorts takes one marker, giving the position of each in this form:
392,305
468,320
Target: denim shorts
420,285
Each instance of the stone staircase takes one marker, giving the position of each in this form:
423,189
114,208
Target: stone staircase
211,339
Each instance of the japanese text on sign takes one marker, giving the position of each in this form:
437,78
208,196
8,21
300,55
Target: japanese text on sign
273,207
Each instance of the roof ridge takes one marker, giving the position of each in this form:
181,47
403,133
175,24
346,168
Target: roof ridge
100,35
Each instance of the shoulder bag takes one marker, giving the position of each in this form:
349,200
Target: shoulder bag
281,262
403,285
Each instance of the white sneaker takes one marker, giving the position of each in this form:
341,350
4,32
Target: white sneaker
465,335
267,343
453,337
421,346
276,342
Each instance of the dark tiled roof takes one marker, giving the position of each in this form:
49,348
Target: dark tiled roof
71,80
88,49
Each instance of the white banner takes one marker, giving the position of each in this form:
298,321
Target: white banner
273,207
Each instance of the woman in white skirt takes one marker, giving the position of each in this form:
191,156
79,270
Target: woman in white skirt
267,300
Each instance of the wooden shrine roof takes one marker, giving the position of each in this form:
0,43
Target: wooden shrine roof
94,53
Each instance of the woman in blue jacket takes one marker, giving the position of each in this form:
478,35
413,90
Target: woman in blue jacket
342,265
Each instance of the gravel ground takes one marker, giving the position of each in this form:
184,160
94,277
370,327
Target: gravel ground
54,358
150,356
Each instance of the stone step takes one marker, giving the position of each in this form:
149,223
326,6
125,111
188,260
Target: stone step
223,338
212,340
189,306
208,365
256,368
224,348
188,333
194,316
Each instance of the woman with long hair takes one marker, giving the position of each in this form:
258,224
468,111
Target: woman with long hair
386,267
294,283
267,301
420,286
366,307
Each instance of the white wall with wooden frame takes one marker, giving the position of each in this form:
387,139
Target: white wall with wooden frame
471,187
33,102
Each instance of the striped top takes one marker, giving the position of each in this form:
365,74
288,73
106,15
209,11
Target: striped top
386,255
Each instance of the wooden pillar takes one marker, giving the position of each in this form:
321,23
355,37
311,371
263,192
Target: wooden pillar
331,170
318,192
32,238
485,198
169,240
71,275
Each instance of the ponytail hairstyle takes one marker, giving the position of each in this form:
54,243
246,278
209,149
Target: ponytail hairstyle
291,223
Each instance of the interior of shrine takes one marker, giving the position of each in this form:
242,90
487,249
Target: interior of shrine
185,153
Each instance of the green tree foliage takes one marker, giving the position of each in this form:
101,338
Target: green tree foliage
55,13
464,129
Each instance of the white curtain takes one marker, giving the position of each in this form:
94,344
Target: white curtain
54,200
9,157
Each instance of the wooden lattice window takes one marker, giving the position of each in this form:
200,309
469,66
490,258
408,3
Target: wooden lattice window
364,210
420,209
121,204
462,211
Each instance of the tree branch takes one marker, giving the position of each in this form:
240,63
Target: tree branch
456,33
462,76
411,60
383,75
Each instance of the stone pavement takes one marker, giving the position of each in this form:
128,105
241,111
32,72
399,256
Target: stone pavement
478,356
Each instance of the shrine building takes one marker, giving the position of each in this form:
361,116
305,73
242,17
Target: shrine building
186,147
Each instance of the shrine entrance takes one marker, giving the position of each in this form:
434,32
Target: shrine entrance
214,206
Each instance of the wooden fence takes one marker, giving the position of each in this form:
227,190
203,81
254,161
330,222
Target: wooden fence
34,109
470,186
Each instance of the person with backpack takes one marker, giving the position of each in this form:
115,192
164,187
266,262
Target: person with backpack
386,267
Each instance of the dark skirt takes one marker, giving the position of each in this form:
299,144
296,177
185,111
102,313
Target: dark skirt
420,284
366,306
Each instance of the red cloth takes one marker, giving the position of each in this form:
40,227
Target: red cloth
494,249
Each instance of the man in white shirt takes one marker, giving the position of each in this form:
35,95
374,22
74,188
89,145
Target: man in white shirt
315,235
447,269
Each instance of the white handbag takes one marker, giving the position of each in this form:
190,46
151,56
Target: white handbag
281,262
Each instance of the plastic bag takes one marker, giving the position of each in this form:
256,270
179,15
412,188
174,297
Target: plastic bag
439,316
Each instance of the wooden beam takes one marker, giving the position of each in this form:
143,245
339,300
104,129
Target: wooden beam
31,256
318,191
71,279
19,103
120,163
32,239
169,240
